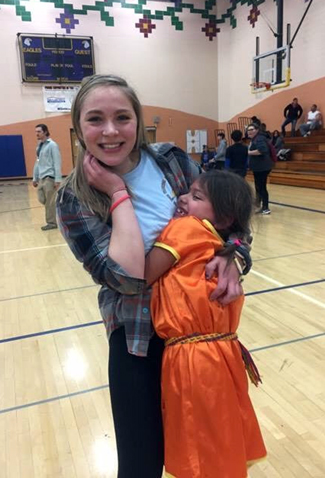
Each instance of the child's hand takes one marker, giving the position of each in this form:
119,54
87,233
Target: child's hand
229,287
100,177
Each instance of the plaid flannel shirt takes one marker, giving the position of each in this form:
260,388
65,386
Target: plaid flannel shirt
123,300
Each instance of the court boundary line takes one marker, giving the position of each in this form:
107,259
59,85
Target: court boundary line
288,342
18,297
281,286
65,244
102,387
49,332
38,248
287,255
89,324
18,210
53,399
95,285
302,208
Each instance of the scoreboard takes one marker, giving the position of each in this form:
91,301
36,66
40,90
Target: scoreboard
55,58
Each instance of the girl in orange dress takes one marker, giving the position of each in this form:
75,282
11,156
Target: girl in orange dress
210,427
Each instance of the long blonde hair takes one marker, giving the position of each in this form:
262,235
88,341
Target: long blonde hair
95,200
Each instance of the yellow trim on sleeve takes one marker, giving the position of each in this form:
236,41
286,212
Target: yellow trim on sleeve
213,230
169,249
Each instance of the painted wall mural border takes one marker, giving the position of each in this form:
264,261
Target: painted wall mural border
148,17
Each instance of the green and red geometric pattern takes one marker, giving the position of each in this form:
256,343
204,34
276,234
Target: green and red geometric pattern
147,18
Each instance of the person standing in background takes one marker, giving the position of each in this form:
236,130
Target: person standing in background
218,162
47,174
292,113
261,164
237,154
204,157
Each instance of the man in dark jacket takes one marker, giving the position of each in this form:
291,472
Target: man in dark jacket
292,113
261,164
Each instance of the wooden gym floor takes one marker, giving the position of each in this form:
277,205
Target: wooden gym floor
55,418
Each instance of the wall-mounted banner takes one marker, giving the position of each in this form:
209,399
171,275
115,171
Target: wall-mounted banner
58,99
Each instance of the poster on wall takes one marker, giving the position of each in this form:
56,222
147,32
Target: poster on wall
58,99
195,140
55,58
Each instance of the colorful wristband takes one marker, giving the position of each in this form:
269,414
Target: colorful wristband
118,202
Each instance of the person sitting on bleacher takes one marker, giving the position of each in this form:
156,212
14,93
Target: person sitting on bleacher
314,121
277,141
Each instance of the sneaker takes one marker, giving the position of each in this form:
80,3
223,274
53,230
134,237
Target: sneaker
266,212
48,227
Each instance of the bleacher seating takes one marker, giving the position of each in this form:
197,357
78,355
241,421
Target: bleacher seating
306,167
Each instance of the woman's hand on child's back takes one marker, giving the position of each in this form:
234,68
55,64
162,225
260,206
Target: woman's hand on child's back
101,178
229,288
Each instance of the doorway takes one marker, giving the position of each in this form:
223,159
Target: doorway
151,134
74,146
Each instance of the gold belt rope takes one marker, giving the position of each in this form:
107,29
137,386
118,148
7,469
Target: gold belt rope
193,338
250,366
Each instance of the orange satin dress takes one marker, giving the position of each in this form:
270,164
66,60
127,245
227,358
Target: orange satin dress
210,426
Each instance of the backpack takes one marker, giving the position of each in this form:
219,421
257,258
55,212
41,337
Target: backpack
273,154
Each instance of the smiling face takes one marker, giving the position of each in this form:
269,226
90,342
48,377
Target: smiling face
195,203
108,125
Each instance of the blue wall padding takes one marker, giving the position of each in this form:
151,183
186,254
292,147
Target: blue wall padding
12,158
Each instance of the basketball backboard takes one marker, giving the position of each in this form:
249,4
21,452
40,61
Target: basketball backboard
271,70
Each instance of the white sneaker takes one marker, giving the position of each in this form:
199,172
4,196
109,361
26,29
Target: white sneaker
266,212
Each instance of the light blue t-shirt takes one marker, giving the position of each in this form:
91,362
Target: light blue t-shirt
153,199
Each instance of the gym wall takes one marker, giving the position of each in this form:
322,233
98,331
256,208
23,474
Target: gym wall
191,63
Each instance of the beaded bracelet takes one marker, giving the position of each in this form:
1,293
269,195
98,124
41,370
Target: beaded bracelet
118,202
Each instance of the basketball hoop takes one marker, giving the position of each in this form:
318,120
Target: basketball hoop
258,85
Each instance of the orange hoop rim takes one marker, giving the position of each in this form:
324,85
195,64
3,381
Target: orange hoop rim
261,84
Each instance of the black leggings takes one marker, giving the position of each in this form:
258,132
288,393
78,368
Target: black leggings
136,405
260,179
